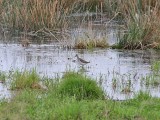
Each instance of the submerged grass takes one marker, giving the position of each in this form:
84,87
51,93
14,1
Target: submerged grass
153,80
2,77
33,104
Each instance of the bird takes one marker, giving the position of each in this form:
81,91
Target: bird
81,61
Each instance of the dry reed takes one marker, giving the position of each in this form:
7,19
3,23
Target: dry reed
141,18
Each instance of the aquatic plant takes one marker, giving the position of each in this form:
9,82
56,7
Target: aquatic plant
25,79
91,43
156,66
2,77
126,90
114,83
88,41
34,17
142,28
153,79
127,87
47,18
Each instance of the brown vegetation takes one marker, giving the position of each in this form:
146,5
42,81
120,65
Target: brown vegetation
142,23
141,17
31,15
91,43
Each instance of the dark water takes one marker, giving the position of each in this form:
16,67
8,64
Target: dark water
115,70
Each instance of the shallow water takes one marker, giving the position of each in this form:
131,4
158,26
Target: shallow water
114,70
105,65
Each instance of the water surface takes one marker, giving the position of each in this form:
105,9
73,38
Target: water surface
114,70
105,65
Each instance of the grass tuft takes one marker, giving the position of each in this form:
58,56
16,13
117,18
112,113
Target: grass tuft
22,80
142,28
89,41
80,87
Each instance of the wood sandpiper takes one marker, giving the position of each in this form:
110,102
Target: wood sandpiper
81,61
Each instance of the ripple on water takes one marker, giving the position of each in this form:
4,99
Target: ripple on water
110,67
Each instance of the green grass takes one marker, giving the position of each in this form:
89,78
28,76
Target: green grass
136,36
33,104
24,79
153,79
156,66
2,77
80,87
